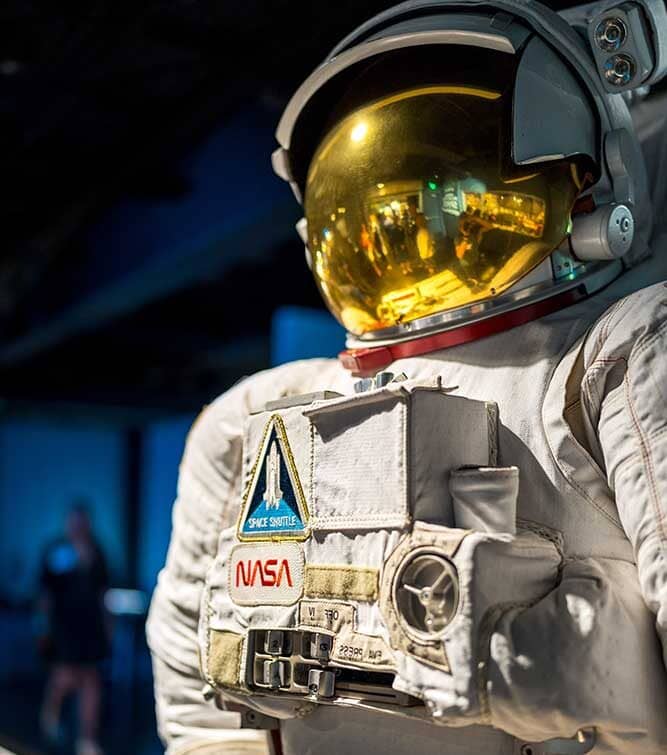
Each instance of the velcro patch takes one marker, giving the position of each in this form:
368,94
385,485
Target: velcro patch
266,574
341,582
224,658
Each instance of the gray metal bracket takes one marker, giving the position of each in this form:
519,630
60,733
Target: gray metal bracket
582,742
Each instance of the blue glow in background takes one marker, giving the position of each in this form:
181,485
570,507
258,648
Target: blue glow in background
46,465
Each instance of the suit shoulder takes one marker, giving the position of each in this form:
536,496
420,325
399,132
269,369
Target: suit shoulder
223,419
630,320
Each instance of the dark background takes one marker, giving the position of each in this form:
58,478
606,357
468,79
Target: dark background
149,260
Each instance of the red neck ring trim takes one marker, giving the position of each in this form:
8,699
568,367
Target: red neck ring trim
366,362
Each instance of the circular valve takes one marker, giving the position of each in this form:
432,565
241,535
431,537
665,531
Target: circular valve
610,34
426,594
620,70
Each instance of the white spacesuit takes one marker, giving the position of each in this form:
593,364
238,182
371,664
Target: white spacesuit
452,539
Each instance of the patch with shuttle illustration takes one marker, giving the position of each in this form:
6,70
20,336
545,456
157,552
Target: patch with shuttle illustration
274,506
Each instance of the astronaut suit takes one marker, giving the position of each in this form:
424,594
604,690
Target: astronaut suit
452,539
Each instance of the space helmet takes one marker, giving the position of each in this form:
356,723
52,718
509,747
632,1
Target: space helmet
459,161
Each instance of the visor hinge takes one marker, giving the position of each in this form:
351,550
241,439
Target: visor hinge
617,151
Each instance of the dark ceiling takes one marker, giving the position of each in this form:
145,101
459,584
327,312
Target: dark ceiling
102,101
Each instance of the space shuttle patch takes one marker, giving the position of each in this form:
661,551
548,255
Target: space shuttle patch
274,506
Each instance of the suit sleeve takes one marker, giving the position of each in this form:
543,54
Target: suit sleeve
207,492
632,433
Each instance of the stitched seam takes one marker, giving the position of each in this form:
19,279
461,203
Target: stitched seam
604,326
335,568
611,313
589,461
647,340
605,360
614,397
311,486
629,463
592,501
207,630
240,662
338,519
637,455
332,595
598,366
648,464
609,517
656,434
405,443
589,386
579,451
555,537
582,450
492,418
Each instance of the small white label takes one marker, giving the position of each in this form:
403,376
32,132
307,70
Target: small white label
266,574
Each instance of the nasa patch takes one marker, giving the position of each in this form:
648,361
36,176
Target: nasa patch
274,506
266,574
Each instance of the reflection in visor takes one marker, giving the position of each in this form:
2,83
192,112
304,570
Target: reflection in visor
419,242
409,212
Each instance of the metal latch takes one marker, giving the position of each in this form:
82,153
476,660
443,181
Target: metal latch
298,662
321,683
378,381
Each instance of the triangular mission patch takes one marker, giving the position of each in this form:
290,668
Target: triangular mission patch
274,507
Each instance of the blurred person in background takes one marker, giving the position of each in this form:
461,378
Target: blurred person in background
73,581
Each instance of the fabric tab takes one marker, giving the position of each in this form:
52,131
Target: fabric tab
224,658
341,582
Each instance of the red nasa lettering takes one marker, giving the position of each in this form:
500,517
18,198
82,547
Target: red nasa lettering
267,572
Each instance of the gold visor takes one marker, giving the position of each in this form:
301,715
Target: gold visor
413,207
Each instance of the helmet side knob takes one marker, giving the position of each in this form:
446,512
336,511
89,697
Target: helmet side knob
606,233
